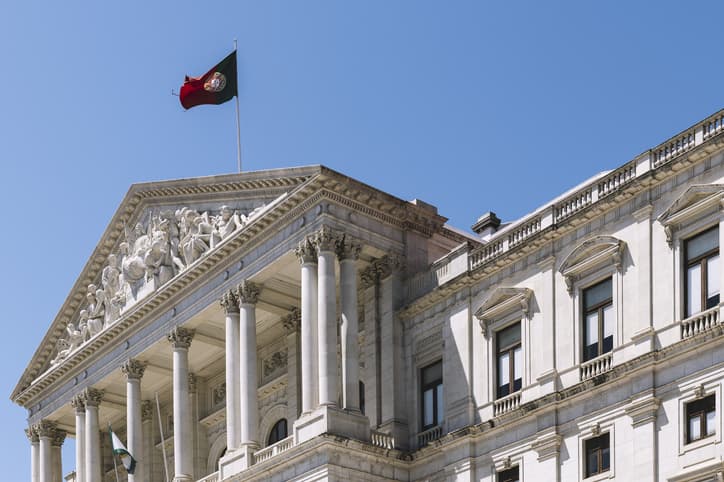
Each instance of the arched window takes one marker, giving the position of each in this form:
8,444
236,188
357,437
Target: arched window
278,432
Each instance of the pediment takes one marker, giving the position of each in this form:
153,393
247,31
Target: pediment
694,202
592,254
503,301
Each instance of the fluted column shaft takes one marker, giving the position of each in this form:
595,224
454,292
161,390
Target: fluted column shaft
92,399
248,294
327,325
349,330
46,458
147,412
133,369
79,406
308,259
230,304
32,435
57,455
180,339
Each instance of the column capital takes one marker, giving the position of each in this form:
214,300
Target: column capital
389,264
92,397
247,292
46,428
193,379
32,434
59,438
306,252
292,321
181,337
347,249
146,410
229,302
369,276
133,369
78,402
325,239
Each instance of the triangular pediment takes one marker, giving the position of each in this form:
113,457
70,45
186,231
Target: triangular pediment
502,301
693,201
591,254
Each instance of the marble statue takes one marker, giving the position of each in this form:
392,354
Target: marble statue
96,310
225,224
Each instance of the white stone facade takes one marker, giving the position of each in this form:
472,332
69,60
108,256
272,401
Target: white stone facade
296,324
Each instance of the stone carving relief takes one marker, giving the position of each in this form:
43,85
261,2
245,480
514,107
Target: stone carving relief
274,365
151,254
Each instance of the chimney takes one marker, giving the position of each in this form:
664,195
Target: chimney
486,225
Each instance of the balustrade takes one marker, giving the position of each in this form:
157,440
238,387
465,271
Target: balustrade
430,435
275,449
700,322
506,404
384,440
597,366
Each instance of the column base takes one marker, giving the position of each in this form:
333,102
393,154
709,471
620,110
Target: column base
237,461
332,420
183,478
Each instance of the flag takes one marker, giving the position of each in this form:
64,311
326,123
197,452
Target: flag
119,449
216,86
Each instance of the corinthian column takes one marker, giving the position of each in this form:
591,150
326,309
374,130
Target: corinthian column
92,398
348,253
57,444
248,294
46,432
230,303
133,369
180,339
324,240
78,403
32,435
308,258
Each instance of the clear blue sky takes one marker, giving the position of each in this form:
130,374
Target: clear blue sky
471,106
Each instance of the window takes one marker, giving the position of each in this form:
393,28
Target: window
702,272
362,397
508,475
700,419
510,360
278,432
432,402
598,320
598,455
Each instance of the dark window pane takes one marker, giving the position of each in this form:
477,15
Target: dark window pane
605,459
278,432
509,336
607,344
432,373
509,475
702,244
597,294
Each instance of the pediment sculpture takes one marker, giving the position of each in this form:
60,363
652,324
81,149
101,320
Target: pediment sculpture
151,255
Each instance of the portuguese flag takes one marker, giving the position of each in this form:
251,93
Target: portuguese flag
216,86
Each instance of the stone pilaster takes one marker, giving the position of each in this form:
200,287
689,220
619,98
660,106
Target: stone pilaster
180,339
230,303
147,414
348,253
292,323
78,404
34,440
248,294
325,241
307,255
93,462
134,369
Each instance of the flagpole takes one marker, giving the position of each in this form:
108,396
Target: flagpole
115,465
238,122
163,440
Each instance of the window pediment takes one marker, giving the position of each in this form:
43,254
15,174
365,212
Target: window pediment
692,203
503,301
591,254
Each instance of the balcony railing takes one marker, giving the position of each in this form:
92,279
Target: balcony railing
506,404
274,449
384,440
210,478
430,435
597,366
700,322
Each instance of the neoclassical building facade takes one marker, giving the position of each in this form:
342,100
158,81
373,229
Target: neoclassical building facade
297,324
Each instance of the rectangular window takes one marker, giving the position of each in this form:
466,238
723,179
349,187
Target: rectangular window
598,455
509,360
432,402
508,475
700,419
598,319
702,272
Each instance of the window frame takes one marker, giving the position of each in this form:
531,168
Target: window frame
702,415
274,429
598,440
510,350
427,386
592,429
501,472
692,393
599,309
701,260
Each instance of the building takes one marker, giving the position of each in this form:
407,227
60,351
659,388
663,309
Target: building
297,324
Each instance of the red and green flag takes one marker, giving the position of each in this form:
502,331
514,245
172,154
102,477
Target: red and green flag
216,86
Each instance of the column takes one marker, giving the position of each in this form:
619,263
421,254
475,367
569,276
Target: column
180,338
57,456
147,412
32,435
326,317
248,294
79,404
308,258
92,398
194,404
348,253
46,432
230,303
133,369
